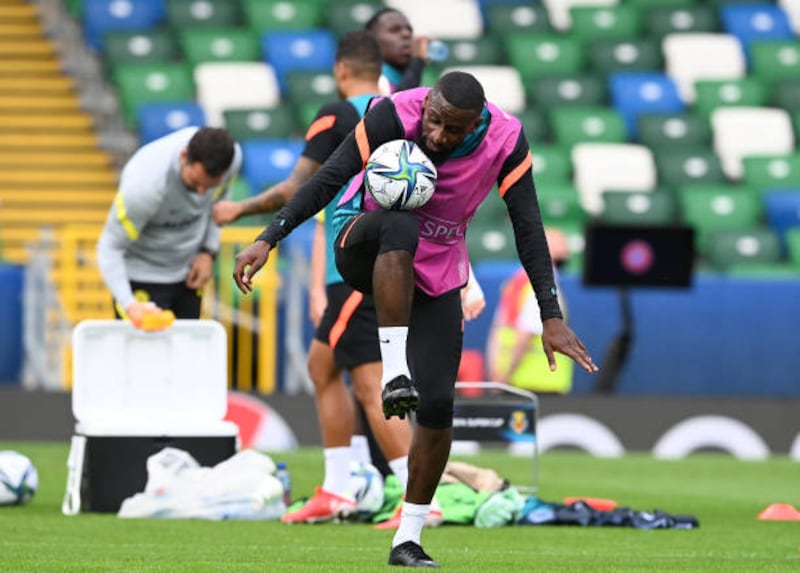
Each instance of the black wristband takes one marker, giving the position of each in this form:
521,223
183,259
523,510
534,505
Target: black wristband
208,251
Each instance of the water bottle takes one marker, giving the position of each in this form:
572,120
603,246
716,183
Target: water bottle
282,474
437,51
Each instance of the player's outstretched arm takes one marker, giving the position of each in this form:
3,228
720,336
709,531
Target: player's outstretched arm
558,337
248,263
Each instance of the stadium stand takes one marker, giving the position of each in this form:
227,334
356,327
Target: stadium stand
676,80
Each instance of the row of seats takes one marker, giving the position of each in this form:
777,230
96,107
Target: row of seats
593,71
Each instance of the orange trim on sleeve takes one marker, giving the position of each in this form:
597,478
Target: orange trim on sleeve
362,142
323,123
514,176
348,308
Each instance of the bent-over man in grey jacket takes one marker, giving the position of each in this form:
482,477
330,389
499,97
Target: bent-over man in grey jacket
159,240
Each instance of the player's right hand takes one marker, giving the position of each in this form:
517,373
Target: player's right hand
248,263
137,310
225,212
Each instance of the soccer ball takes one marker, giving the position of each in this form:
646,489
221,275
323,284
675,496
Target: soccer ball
18,478
399,176
366,486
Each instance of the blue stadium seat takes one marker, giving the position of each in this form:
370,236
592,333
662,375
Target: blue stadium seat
749,22
159,119
637,93
101,16
298,50
267,161
782,209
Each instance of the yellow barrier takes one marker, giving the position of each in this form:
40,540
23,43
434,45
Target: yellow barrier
250,321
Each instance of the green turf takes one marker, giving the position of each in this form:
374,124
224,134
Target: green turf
725,494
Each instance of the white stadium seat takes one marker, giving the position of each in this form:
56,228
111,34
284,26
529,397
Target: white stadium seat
234,85
442,18
689,57
558,10
742,131
792,9
601,167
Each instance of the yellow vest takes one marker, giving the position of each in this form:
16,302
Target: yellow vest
533,372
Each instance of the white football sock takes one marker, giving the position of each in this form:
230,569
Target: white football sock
359,448
393,352
412,520
337,470
400,469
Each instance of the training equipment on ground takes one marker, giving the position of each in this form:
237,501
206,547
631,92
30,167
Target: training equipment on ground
18,478
399,176
366,486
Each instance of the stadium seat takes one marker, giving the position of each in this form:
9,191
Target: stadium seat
293,51
775,60
210,44
792,239
102,16
756,246
573,125
241,190
601,167
261,123
234,85
267,161
145,83
536,123
786,94
502,85
629,54
660,131
485,51
591,23
442,19
743,131
755,22
639,208
142,46
490,242
560,204
713,94
660,21
683,166
792,9
184,14
638,93
504,19
263,16
690,57
341,17
158,119
559,11
316,87
541,55
772,172
570,90
551,164
782,210
718,208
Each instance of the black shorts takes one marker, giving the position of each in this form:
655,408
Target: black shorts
177,297
350,327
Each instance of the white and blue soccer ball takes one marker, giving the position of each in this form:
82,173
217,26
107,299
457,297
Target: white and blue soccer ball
18,478
366,486
399,176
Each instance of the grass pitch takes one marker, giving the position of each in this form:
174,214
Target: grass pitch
725,494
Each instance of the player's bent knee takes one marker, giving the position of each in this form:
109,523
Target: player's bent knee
399,231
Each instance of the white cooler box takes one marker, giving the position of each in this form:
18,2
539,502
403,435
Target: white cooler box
135,393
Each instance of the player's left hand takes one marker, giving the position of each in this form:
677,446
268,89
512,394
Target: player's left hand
200,271
472,302
558,337
248,263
